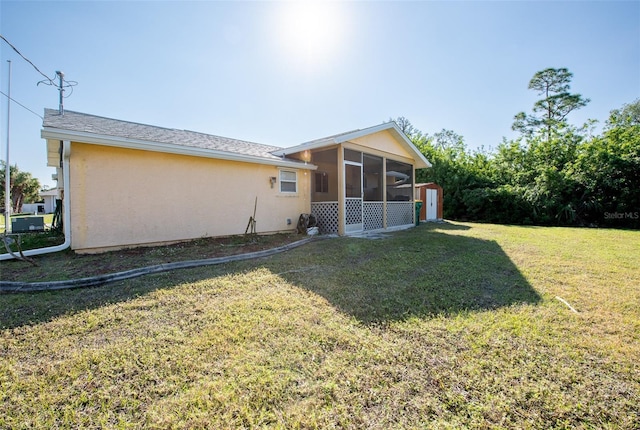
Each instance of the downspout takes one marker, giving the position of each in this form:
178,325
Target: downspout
66,199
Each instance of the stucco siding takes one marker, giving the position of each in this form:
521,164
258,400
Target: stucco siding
383,141
124,197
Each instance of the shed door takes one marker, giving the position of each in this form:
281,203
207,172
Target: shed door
432,205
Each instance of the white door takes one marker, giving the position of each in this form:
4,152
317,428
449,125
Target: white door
353,193
432,205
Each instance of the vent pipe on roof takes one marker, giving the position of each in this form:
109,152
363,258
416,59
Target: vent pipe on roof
61,90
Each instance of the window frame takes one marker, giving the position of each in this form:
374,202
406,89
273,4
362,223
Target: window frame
282,181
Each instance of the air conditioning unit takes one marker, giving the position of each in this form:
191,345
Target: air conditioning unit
27,224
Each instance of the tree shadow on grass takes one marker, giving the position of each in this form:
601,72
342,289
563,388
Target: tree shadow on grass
419,272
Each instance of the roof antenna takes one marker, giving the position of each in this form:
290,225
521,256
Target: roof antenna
61,90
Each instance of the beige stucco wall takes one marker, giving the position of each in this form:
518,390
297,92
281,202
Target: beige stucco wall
384,142
123,197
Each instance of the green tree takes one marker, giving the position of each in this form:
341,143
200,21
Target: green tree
608,168
628,115
552,110
540,170
24,187
455,169
562,177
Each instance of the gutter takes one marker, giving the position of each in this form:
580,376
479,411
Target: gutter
66,153
50,133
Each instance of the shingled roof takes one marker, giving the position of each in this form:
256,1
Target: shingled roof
82,127
92,125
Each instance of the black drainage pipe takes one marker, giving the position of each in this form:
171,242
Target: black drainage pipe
94,281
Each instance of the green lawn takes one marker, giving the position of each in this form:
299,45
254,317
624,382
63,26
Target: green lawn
442,326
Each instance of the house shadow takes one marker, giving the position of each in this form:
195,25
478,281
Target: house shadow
421,272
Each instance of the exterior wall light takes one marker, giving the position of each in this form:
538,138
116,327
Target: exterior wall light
306,156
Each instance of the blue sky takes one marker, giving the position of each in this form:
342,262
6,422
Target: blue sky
283,73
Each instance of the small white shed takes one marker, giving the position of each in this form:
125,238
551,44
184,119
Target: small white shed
431,196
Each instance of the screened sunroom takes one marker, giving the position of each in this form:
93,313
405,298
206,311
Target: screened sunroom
364,180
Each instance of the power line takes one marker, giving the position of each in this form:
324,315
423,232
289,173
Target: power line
27,60
47,81
23,106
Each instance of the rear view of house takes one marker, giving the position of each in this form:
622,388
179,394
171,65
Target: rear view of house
127,184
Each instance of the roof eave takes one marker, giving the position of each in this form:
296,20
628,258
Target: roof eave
51,133
420,161
305,147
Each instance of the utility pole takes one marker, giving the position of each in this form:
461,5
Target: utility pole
7,167
61,90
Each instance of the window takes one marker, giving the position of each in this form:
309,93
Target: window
288,181
322,182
